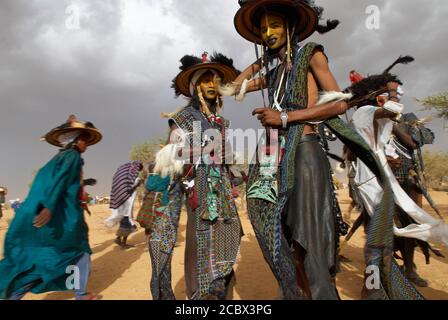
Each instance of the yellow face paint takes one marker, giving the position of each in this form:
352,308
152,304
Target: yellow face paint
273,30
207,85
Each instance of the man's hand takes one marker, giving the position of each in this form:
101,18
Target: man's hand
42,218
268,117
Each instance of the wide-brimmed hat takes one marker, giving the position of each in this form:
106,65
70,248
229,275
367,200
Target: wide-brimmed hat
190,65
302,13
71,130
3,190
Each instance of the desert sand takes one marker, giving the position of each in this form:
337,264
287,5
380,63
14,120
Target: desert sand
119,274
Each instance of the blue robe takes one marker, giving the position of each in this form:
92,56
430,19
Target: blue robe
156,183
43,255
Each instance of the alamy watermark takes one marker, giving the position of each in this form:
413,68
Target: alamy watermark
73,281
373,280
73,20
373,21
231,146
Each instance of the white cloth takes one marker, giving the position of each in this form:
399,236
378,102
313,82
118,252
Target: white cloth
125,210
66,138
428,227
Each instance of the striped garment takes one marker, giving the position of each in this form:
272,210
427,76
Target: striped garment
122,183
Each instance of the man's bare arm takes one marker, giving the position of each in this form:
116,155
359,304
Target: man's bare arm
255,84
404,138
326,81
381,113
249,72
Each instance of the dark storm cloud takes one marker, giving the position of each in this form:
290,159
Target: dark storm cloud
116,70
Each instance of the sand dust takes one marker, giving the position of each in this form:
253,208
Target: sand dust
119,274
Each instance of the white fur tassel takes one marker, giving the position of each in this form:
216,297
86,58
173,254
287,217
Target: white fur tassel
166,163
242,94
167,115
339,168
229,90
333,96
226,90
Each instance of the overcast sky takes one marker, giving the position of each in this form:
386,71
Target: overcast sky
116,68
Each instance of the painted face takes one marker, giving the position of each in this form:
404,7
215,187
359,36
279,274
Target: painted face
207,85
273,30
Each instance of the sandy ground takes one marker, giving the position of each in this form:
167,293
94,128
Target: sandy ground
119,274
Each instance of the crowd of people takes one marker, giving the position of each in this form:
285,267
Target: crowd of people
291,198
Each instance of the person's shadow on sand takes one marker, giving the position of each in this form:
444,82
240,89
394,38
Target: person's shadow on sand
105,270
248,272
180,290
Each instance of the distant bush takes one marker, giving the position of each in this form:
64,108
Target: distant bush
145,153
436,169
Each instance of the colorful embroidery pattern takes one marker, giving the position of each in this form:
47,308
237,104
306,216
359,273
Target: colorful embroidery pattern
151,206
266,216
218,228
161,242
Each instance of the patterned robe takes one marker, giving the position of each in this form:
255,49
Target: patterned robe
266,216
214,228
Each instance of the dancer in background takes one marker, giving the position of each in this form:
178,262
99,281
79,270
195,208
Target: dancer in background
409,136
3,193
48,233
159,215
124,191
375,120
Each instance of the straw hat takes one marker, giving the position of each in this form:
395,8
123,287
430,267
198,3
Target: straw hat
191,65
71,130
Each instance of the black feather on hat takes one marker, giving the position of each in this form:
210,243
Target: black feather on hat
188,61
330,24
400,60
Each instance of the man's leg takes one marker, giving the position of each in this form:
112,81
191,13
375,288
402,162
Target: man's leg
83,265
302,279
410,244
19,294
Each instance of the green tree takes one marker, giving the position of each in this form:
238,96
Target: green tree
439,103
436,168
145,153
